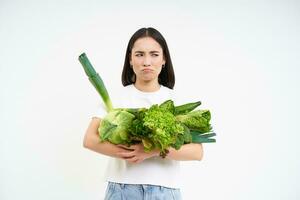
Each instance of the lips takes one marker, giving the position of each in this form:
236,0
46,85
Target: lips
147,70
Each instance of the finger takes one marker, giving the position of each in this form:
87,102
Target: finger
126,157
136,146
126,154
132,160
132,147
124,146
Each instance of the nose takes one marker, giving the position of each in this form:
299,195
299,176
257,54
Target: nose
147,61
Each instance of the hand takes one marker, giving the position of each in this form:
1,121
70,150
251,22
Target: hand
135,153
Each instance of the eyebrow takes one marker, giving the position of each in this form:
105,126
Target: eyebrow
144,52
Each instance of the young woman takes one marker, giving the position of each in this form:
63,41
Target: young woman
148,78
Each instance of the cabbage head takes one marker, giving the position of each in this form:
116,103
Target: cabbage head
115,126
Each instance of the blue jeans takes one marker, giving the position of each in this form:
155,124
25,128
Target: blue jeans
120,191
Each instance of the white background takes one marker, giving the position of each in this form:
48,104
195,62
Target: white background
240,58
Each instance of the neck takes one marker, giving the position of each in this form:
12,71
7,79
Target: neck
147,86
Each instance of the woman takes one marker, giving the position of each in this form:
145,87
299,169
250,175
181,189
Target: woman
148,78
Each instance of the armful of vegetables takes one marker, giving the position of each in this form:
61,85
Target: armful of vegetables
160,126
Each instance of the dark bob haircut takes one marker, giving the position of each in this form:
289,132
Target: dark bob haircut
166,76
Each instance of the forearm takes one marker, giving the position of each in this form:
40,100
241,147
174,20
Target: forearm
92,142
190,151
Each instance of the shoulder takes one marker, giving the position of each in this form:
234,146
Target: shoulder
126,88
167,93
167,90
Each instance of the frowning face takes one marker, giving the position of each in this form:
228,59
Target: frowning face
147,59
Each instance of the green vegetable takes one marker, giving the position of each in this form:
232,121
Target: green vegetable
198,137
96,80
163,126
196,120
186,108
160,126
114,127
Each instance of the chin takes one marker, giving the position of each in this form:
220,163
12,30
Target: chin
148,78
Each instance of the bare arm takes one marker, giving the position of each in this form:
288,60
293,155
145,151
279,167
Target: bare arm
190,151
135,153
186,152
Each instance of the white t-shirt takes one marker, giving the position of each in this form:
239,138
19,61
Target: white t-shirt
155,170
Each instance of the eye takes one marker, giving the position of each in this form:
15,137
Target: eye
155,55
138,55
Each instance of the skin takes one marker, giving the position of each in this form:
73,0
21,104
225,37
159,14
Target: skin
146,60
